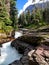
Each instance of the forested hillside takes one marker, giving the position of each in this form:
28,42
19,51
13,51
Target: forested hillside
8,16
34,19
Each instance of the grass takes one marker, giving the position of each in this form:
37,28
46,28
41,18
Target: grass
32,26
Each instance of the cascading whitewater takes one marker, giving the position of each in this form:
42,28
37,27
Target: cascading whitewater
9,54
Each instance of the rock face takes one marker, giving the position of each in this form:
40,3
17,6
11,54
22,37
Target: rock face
41,56
31,40
19,45
34,53
16,63
6,37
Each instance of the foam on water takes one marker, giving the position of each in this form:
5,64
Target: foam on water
9,54
18,34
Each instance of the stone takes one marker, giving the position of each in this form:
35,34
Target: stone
34,51
25,60
30,39
37,56
19,45
16,63
0,52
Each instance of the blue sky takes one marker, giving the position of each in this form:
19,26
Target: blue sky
20,4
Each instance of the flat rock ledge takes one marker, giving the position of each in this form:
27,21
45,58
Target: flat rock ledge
39,56
5,40
34,51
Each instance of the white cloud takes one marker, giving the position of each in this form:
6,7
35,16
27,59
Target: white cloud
25,6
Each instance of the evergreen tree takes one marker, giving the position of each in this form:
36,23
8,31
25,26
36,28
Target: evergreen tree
32,16
28,17
4,17
46,15
37,15
19,20
22,19
13,13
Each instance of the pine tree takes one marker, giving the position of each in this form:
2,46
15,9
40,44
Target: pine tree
22,20
46,15
13,13
28,17
4,17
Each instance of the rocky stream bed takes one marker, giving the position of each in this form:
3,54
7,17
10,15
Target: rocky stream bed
35,50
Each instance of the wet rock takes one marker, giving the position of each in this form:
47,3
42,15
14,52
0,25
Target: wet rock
0,45
25,41
16,63
19,45
34,51
28,49
25,60
31,39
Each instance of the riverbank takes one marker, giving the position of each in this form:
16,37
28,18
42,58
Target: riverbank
28,46
9,54
2,41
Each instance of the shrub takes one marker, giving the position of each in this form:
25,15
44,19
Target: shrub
8,29
7,21
2,25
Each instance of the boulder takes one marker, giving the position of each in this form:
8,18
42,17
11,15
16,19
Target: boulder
34,39
25,60
31,39
19,45
16,63
40,56
33,48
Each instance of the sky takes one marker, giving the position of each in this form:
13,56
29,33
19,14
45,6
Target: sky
20,4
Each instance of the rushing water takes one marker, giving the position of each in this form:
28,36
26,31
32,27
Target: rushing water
9,54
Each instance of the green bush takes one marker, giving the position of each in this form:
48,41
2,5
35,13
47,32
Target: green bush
7,21
2,25
2,31
8,29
